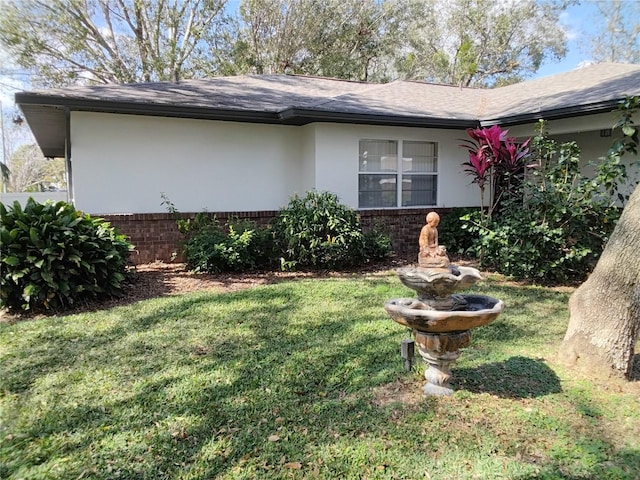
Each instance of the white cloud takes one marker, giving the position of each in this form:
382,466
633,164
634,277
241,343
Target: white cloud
572,25
585,63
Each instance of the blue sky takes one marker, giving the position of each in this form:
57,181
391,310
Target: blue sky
578,20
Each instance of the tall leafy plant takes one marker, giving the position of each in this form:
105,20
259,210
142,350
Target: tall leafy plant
53,256
494,158
317,231
613,169
555,225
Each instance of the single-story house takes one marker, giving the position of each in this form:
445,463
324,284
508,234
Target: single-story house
243,145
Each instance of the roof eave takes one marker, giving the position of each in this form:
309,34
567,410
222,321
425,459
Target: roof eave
554,114
289,116
304,116
34,105
153,109
38,104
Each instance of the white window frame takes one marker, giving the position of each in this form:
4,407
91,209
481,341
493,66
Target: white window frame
399,173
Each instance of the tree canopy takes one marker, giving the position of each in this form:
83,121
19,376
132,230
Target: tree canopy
479,42
618,37
31,172
350,39
111,41
467,42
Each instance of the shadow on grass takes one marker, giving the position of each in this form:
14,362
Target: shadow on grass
593,463
635,369
517,377
192,375
234,385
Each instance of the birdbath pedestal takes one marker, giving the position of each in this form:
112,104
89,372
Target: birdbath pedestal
440,351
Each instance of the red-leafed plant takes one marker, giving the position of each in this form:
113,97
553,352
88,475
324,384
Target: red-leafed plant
492,156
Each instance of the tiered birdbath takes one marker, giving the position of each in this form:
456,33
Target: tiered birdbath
440,319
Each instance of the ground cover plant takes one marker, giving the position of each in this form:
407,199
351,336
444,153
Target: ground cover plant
302,379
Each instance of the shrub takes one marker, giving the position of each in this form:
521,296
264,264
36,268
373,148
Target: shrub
317,231
239,246
311,232
526,247
555,229
377,243
54,256
451,233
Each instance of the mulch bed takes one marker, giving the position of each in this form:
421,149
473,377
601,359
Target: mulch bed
160,279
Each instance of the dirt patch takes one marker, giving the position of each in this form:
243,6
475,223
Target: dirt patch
162,279
404,390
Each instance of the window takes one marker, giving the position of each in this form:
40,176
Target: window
385,164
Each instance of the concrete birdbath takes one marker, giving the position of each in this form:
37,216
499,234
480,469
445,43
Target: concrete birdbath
439,318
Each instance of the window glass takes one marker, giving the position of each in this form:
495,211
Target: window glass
377,191
419,190
419,157
378,156
381,173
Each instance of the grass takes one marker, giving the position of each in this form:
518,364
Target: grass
299,380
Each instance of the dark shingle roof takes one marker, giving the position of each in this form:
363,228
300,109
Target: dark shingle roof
297,100
267,93
410,99
584,89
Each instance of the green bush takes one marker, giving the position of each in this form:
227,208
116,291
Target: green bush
239,246
377,243
554,228
451,233
53,256
317,231
311,232
525,247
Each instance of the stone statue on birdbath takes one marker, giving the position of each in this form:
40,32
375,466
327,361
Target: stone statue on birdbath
431,254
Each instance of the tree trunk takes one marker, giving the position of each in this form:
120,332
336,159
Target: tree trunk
605,310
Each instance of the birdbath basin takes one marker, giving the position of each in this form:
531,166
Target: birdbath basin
416,315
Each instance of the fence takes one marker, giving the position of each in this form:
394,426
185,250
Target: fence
22,197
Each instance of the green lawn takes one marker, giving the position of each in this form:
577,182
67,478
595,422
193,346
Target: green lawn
293,381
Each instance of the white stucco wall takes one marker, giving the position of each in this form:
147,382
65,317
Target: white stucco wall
337,160
122,163
585,131
587,123
306,179
593,147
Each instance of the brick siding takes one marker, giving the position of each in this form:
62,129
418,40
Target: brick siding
402,225
156,235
